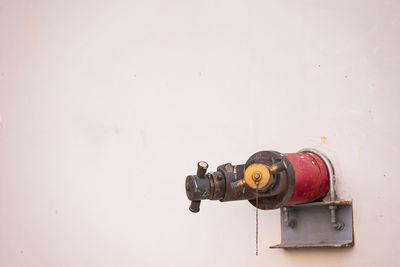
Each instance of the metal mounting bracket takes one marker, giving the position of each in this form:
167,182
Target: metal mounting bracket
309,225
318,224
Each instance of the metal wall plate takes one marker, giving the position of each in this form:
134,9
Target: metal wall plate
309,226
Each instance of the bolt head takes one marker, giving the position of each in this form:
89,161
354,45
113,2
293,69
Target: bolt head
256,176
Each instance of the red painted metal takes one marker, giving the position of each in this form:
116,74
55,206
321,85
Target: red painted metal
311,177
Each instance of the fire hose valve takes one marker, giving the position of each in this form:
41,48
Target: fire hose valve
296,183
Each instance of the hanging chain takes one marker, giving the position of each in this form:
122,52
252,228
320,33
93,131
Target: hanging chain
257,177
257,182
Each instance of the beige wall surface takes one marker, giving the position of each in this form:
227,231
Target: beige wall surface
106,106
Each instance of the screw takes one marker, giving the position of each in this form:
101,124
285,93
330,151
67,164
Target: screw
292,223
339,225
256,176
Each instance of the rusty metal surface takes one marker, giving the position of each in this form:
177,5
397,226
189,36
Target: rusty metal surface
284,180
313,227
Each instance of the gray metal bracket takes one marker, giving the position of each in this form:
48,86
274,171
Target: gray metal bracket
309,225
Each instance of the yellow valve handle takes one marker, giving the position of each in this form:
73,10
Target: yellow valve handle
257,175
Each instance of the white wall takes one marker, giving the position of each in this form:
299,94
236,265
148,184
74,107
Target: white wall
106,106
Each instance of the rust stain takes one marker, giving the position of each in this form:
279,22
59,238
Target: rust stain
324,139
345,245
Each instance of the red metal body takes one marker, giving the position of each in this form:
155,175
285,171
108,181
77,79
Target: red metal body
311,177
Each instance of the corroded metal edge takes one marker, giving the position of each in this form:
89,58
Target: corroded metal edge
324,203
344,245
